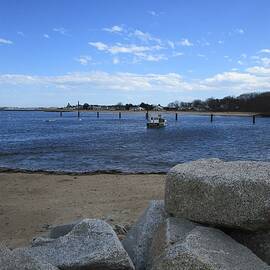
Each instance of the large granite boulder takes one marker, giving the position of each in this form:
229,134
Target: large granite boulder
57,231
181,244
257,242
227,194
138,239
16,260
91,244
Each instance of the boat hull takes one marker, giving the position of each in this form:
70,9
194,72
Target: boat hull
155,125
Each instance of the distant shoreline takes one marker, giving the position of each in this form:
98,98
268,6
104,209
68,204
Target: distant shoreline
124,111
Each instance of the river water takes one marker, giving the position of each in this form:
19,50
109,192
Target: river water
45,141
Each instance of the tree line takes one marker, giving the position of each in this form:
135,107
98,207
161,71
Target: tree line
250,102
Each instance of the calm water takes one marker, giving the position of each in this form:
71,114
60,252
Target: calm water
44,141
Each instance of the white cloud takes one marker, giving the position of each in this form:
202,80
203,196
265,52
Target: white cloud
18,79
139,53
116,60
171,44
261,60
220,42
239,31
5,41
265,61
114,29
99,45
138,34
149,57
46,36
175,54
264,51
261,71
121,48
145,50
185,42
102,80
153,13
132,49
255,57
234,82
84,60
239,62
61,30
145,37
238,82
231,77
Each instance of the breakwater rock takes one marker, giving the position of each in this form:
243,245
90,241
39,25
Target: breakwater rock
17,260
139,238
258,242
181,244
91,244
226,194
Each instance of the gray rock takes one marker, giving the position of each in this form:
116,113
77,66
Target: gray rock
57,231
139,237
91,244
40,240
227,194
16,260
257,242
181,244
61,230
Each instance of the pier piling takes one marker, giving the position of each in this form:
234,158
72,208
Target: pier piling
254,119
97,114
146,115
120,115
61,114
78,109
176,116
211,117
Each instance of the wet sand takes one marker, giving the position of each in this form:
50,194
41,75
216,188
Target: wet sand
30,202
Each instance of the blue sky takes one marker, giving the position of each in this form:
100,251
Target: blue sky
104,52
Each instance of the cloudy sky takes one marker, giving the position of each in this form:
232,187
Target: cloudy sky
156,51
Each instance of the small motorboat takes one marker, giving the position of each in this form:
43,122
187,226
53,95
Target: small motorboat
156,122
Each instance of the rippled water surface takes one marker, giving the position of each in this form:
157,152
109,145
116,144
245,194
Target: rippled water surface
44,141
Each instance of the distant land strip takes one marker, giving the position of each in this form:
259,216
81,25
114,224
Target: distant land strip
152,111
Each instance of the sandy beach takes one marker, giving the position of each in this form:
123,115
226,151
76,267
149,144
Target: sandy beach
29,203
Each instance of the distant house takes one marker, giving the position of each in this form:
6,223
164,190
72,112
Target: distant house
158,108
105,107
95,107
136,108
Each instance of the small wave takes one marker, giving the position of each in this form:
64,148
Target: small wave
18,170
50,120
